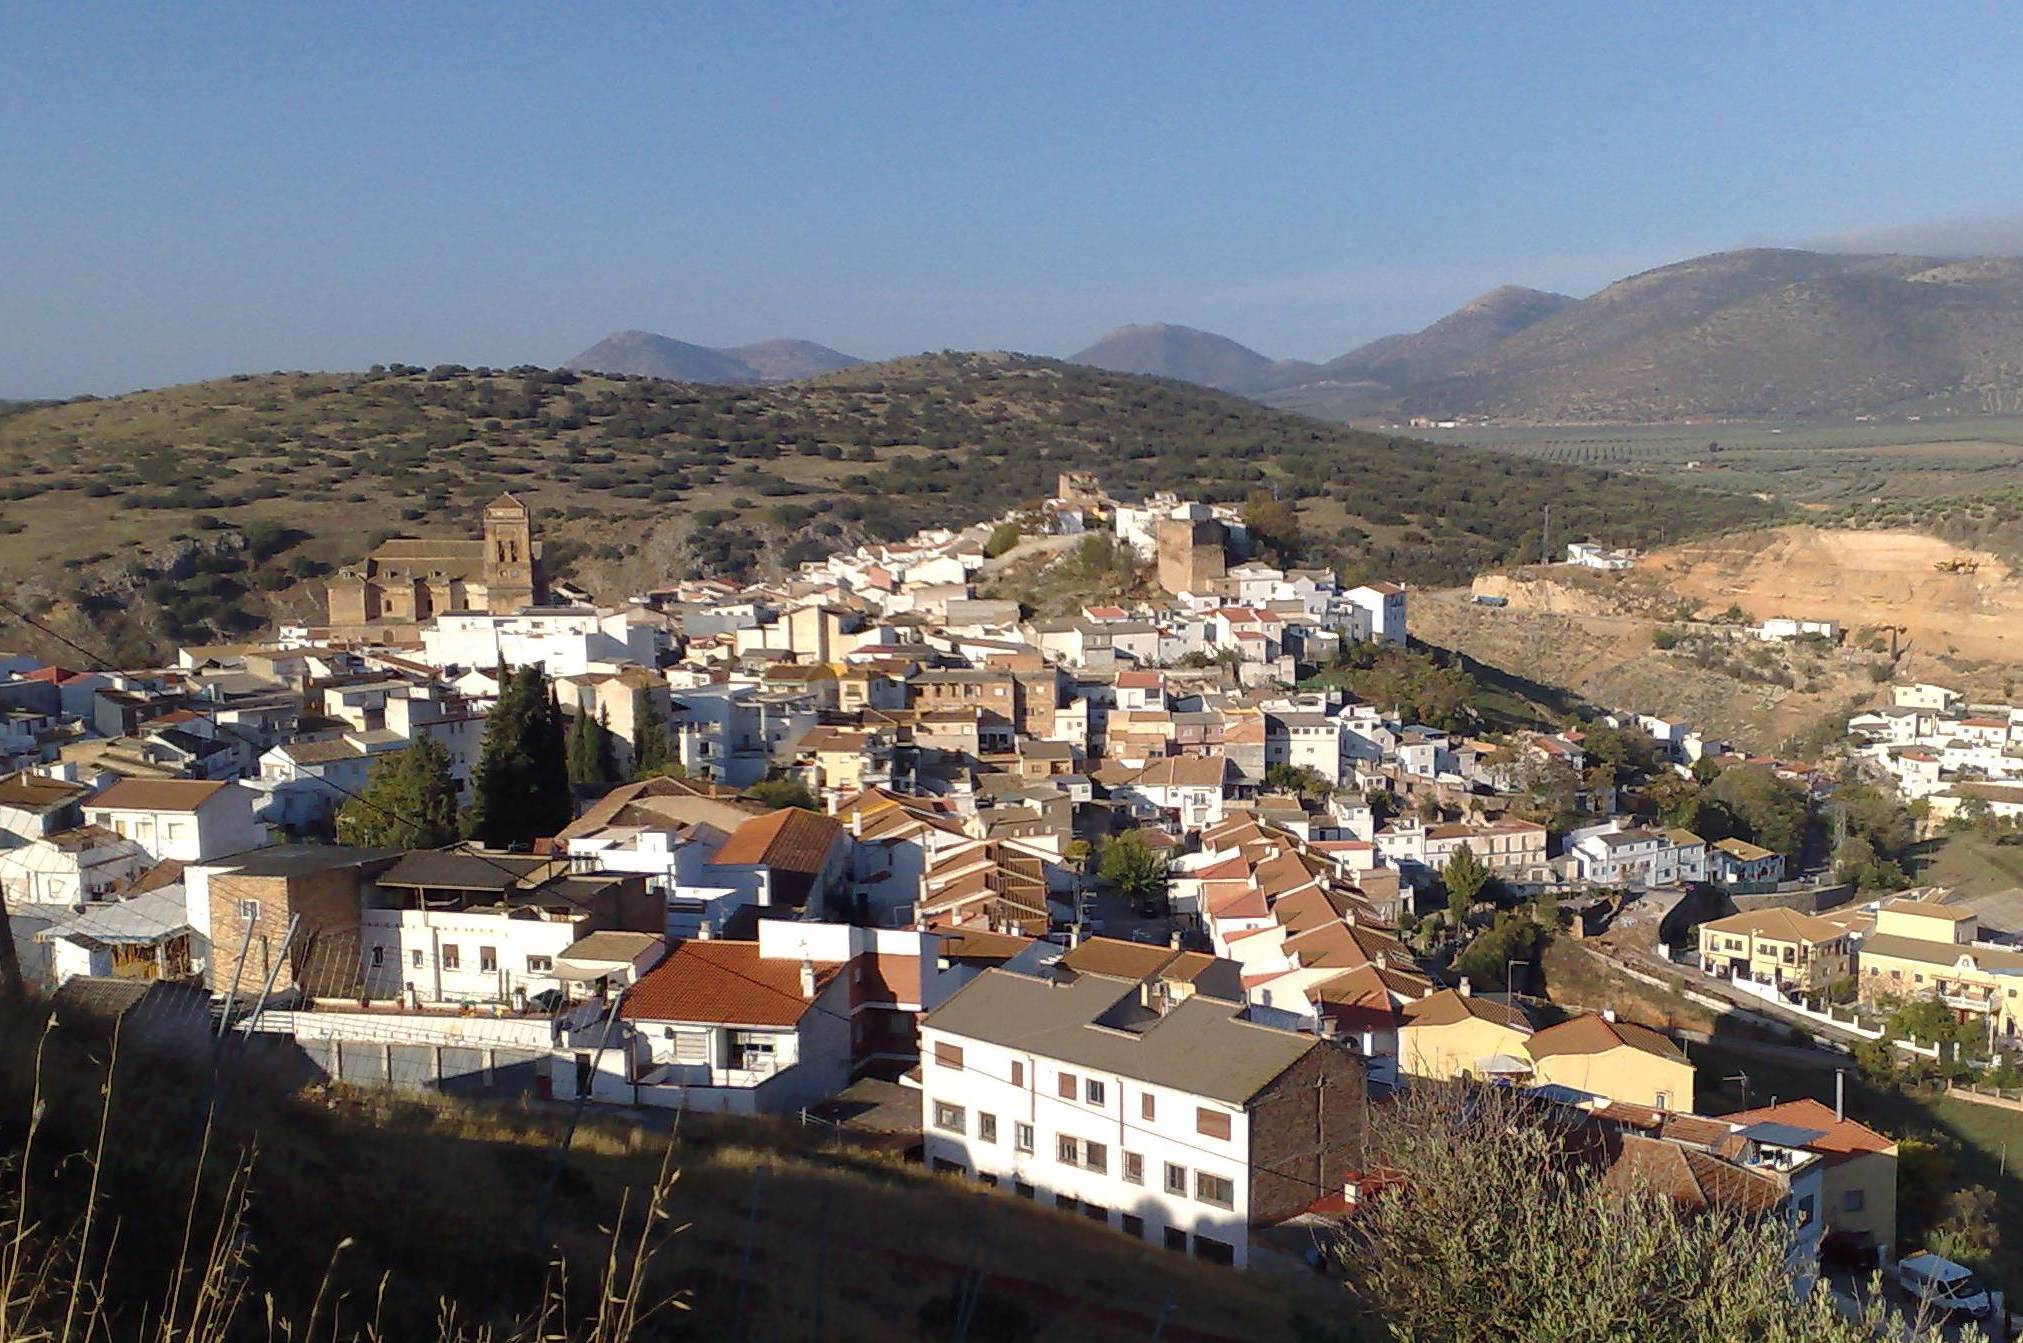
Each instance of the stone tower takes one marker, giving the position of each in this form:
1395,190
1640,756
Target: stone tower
511,581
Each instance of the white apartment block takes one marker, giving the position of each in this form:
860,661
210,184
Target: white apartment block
1182,1124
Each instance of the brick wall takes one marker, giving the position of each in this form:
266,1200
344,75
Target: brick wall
1306,1128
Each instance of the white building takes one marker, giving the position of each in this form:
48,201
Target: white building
1384,604
1589,555
188,820
1779,629
566,640
1181,1124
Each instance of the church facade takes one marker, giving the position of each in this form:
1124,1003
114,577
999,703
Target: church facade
408,580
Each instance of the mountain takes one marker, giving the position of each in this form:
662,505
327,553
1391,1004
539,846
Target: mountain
1473,329
642,354
204,511
1161,350
1760,333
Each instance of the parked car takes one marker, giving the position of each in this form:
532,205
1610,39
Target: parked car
1927,1279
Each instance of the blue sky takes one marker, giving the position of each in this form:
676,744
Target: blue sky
194,190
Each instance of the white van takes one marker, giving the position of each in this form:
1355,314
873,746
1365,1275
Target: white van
1943,1285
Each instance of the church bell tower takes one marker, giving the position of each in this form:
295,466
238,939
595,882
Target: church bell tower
511,581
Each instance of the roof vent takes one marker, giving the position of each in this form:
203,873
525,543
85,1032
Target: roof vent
1466,989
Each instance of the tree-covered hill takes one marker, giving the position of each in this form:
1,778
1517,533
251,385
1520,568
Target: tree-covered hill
204,510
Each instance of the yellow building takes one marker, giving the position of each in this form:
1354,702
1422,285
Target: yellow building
1775,946
1617,1059
1453,1034
1924,949
1859,1186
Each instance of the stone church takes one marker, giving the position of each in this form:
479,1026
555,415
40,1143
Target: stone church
407,580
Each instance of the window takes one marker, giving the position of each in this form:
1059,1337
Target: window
691,1047
948,1056
1022,1137
1214,1251
378,957
1092,1091
1147,1109
1853,1200
1134,1168
1176,1179
452,959
1018,1072
986,1128
1804,1218
1022,1189
1096,1214
488,960
1067,1202
414,958
1134,1225
1211,1123
249,911
1067,1086
1067,1151
1096,1157
948,1118
1664,1100
540,965
1214,1190
988,1177
1176,1239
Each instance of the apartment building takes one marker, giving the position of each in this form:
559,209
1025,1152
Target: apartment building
1783,947
1180,1123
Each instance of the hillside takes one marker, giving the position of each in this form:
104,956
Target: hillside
197,512
1468,332
1763,332
1160,350
642,354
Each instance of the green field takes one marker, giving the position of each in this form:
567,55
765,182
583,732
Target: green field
1808,462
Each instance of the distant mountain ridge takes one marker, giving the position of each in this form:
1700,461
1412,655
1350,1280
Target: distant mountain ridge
1163,350
645,354
1758,333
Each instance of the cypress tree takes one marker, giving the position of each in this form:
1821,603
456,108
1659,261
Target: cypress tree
602,754
651,751
520,789
409,802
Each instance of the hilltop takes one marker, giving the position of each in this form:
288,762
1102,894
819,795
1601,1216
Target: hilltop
197,512
643,354
1162,350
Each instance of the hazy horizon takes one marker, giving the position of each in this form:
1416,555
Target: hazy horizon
203,192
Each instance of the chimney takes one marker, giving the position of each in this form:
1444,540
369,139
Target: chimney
1324,1026
1173,940
1467,990
1609,1014
857,824
807,979
702,932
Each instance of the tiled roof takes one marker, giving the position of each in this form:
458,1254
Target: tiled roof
724,984
1592,1033
1785,925
1448,1007
1841,1137
38,792
157,795
790,840
1695,1178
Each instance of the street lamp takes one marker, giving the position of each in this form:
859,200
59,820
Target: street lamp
1510,976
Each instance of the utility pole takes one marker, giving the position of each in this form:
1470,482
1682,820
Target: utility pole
1545,540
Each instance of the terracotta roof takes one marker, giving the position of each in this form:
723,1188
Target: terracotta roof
157,795
38,792
1592,1033
1136,960
1931,909
1448,1007
723,983
1842,1137
789,839
1743,851
981,945
1184,771
1785,925
1695,1178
